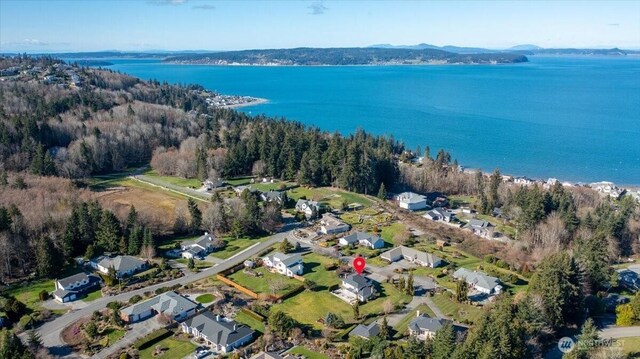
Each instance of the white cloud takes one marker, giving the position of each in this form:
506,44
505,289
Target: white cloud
317,8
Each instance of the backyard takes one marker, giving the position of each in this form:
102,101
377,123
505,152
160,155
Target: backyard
265,282
171,348
308,354
457,311
402,326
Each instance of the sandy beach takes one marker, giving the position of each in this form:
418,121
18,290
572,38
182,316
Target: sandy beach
257,101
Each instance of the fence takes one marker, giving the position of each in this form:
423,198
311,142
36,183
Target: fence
237,286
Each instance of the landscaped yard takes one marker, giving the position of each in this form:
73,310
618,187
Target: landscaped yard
205,298
239,181
114,335
314,270
307,307
93,295
457,311
252,322
172,348
28,294
403,324
307,353
389,232
263,283
388,292
200,264
234,246
332,197
178,181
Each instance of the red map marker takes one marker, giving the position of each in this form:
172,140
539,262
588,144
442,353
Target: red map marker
359,264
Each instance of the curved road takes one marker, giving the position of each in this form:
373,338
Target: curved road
50,331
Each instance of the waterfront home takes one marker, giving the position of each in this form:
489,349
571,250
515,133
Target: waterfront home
523,181
199,248
285,264
412,255
480,227
221,334
123,265
608,189
330,224
372,241
366,331
411,201
171,304
73,287
309,208
479,281
358,287
423,327
440,214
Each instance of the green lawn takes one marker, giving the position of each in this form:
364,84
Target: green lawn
455,310
332,197
205,298
631,346
389,232
250,321
235,245
173,348
307,353
403,324
307,307
28,294
114,335
239,181
314,270
178,181
462,201
96,294
199,263
265,187
261,284
388,292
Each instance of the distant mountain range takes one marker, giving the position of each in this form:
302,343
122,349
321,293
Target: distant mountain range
526,49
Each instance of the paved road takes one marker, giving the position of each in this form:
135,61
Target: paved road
50,331
619,332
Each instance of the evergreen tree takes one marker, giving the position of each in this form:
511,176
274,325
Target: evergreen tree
462,290
108,232
11,346
285,246
148,240
593,258
191,264
384,329
47,260
356,309
382,192
34,341
409,285
132,220
4,180
135,240
196,216
494,185
444,342
122,245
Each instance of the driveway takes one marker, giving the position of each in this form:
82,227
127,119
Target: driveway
50,331
136,331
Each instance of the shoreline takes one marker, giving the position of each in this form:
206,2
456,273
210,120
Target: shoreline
255,102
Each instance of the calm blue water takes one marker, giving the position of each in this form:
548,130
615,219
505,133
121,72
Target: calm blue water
576,119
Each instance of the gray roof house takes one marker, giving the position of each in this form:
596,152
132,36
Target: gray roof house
73,287
198,248
412,255
479,227
423,327
411,201
330,224
372,241
309,208
170,303
286,264
479,281
358,287
366,331
124,265
223,335
440,214
272,196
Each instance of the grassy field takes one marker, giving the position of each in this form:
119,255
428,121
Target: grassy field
307,353
235,245
204,298
389,232
199,263
261,284
366,219
631,346
96,294
307,307
28,294
462,201
402,325
314,270
172,348
388,292
178,181
250,321
114,335
332,197
455,310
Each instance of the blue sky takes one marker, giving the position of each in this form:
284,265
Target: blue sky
90,25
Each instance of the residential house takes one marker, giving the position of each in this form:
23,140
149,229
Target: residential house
286,264
608,189
309,208
440,214
372,241
213,184
412,255
479,281
239,189
440,202
172,304
480,227
366,331
423,327
71,288
273,196
630,277
223,335
199,248
272,355
123,265
330,224
411,201
358,287
523,181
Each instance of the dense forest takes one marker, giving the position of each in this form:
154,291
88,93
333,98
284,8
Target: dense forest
344,56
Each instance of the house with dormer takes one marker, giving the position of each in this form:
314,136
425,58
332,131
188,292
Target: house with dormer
358,287
285,264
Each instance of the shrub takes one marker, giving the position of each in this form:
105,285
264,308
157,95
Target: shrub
135,299
152,338
114,305
43,295
502,264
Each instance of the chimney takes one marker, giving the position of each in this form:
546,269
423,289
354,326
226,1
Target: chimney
217,317
417,313
234,327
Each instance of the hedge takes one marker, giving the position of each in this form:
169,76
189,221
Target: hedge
152,339
252,314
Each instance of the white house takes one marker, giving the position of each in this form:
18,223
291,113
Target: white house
479,281
480,227
608,189
423,327
372,241
358,287
123,265
440,214
412,255
223,335
199,248
169,303
286,264
309,208
330,224
523,181
411,201
71,288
